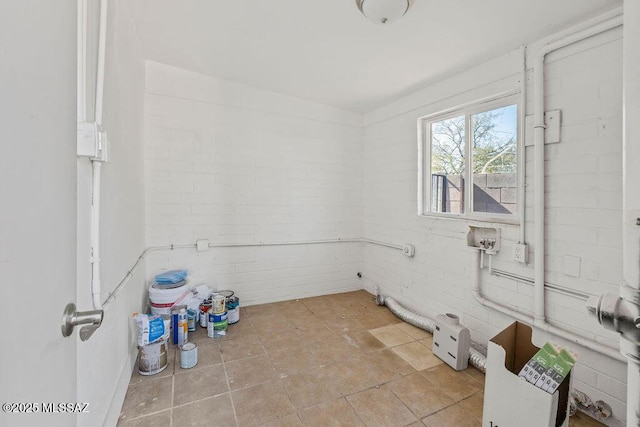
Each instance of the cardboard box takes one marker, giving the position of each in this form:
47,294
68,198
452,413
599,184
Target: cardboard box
510,400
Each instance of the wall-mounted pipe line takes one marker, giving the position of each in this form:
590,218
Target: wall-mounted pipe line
539,151
527,317
530,281
171,247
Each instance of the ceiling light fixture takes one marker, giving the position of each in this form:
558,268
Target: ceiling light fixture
383,11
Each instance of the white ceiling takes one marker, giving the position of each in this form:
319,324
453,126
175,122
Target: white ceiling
326,51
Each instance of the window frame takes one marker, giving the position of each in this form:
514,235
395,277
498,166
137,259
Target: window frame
424,159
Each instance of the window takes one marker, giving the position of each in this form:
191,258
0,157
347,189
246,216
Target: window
470,162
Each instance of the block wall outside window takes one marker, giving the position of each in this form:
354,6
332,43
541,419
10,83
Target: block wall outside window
470,162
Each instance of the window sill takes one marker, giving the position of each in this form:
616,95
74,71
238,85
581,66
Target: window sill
484,219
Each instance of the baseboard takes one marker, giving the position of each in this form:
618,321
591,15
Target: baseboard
111,419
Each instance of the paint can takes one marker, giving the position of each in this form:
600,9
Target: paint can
152,358
204,313
233,310
188,355
218,304
217,325
175,311
191,320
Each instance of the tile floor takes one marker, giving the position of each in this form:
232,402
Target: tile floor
335,360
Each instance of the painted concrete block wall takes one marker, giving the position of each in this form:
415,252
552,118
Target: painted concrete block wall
106,360
583,214
237,165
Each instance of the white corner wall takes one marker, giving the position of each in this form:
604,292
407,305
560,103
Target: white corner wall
233,164
105,361
583,196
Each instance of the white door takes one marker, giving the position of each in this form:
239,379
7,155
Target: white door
37,211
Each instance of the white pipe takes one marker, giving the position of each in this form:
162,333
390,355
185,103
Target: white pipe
306,242
539,174
82,62
95,235
522,163
96,166
102,52
171,247
525,317
630,288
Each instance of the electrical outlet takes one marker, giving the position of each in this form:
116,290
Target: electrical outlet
520,253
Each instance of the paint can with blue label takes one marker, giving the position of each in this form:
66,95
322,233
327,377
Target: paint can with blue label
191,320
217,325
233,310
188,355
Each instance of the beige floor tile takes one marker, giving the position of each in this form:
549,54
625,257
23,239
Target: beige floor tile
391,335
337,413
420,396
291,420
355,375
316,333
270,323
453,416
261,404
427,342
241,348
373,320
343,324
473,405
417,356
291,307
147,397
196,384
475,374
207,412
310,388
416,333
389,360
456,384
242,328
290,361
167,372
208,354
160,419
366,342
249,372
261,310
333,351
278,339
380,407
583,420
317,305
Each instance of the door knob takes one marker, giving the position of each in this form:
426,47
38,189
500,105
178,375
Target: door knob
71,318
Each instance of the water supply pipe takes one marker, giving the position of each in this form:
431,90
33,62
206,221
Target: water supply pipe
521,150
539,141
538,318
96,165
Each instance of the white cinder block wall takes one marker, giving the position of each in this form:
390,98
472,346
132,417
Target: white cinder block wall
583,212
232,164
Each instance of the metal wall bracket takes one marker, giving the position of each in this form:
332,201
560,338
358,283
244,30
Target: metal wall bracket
71,318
